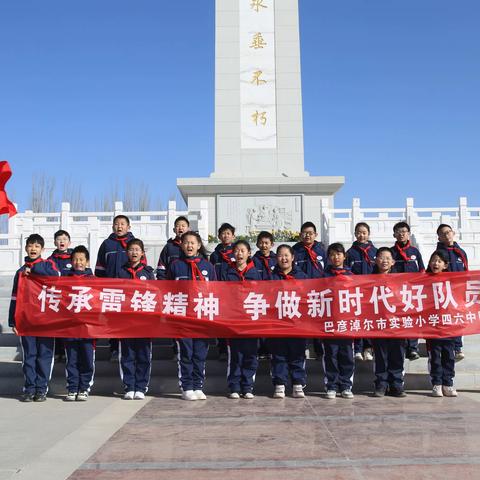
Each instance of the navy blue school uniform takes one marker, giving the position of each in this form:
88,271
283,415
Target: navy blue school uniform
457,262
389,362
63,261
338,359
135,354
37,363
361,260
408,259
441,353
112,255
80,354
170,252
192,352
310,260
242,359
265,265
288,354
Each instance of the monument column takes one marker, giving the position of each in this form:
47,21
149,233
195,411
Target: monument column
259,180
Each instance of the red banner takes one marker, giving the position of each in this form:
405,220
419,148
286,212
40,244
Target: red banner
409,305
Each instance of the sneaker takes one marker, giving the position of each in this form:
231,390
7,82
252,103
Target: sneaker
114,357
234,395
71,397
189,395
368,355
398,392
82,396
347,393
437,391
358,356
413,355
379,392
139,396
129,395
449,391
331,394
298,391
200,395
279,391
40,397
27,397
248,395
459,355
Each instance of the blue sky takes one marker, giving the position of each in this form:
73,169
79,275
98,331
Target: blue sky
104,90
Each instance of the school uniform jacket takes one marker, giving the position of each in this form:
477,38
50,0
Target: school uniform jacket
265,265
112,255
295,274
170,252
191,268
331,271
63,260
310,259
457,258
407,259
221,257
361,258
39,266
141,272
232,274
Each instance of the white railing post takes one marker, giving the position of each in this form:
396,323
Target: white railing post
13,230
118,209
171,216
65,217
356,216
203,220
463,223
412,220
327,225
93,239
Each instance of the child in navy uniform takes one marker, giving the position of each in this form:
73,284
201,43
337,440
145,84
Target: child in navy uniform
457,262
80,352
135,354
192,352
37,364
173,249
407,259
361,260
242,358
338,358
309,254
264,259
389,352
112,256
441,351
288,354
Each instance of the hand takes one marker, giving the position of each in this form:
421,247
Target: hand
15,331
27,271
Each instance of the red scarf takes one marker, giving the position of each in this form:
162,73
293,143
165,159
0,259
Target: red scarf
461,255
194,269
242,273
401,250
123,241
338,271
226,256
31,264
364,251
63,256
134,270
266,263
312,255
286,276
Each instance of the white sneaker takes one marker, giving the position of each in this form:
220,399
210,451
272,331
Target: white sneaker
437,391
234,395
347,393
189,395
331,394
71,397
358,356
449,391
298,391
367,355
139,396
248,395
279,391
129,395
200,395
82,396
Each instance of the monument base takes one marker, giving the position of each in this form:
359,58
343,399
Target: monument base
254,204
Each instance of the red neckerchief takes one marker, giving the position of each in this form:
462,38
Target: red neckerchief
63,256
461,255
194,269
134,270
286,276
401,250
31,264
364,251
242,273
337,271
266,263
177,241
226,255
123,241
312,255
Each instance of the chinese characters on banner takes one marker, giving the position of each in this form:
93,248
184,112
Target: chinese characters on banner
257,74
403,305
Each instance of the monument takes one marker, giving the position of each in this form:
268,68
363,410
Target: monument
259,182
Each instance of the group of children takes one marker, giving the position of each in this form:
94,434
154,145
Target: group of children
184,257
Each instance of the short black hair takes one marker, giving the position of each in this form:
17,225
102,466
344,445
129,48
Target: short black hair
400,225
81,249
181,218
441,254
265,234
135,241
226,226
443,225
384,249
335,247
288,247
362,224
242,242
308,225
59,233
121,217
35,238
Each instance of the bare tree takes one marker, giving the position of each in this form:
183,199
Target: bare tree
72,193
43,194
136,197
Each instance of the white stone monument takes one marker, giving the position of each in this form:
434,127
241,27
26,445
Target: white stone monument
259,182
